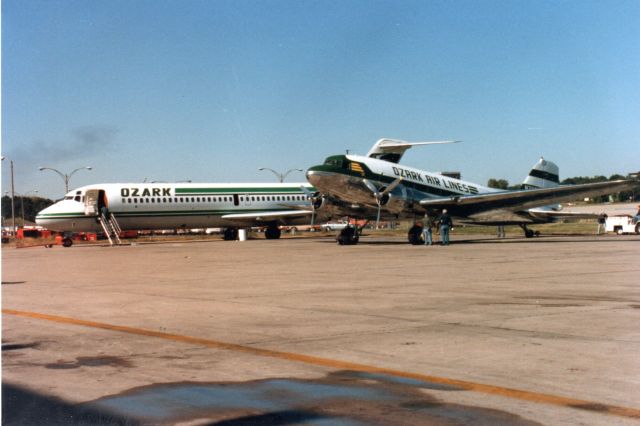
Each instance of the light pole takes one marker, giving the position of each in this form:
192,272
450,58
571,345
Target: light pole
22,203
65,177
281,176
13,213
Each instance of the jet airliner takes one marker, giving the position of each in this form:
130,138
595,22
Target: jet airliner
131,206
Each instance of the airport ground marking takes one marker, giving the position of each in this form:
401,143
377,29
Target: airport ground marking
344,365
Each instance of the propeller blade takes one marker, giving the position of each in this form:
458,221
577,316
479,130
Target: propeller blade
391,187
378,217
371,187
306,191
311,196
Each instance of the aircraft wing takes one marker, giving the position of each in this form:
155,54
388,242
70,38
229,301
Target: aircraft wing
555,214
267,216
528,198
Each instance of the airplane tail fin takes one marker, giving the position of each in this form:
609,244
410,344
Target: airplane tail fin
544,174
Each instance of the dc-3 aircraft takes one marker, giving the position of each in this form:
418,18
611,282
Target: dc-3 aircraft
184,205
377,187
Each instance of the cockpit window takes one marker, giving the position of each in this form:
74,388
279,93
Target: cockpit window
335,161
77,198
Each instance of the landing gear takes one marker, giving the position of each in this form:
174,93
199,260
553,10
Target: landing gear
272,233
415,235
230,234
67,242
348,236
529,233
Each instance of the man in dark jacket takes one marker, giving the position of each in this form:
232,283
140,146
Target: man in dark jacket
445,225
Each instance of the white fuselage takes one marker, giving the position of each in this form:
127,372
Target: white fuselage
171,206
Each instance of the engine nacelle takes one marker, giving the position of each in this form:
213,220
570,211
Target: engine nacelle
317,201
397,201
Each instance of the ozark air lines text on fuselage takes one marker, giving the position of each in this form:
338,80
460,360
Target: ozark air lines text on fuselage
170,206
435,181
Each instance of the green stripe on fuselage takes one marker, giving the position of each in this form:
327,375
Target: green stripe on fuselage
213,191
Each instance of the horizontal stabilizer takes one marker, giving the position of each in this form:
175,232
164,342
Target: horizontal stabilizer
392,150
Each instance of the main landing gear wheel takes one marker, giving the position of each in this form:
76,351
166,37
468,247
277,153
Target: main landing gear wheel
230,234
272,233
415,235
67,242
348,236
529,233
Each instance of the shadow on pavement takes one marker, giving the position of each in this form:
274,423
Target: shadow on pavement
24,407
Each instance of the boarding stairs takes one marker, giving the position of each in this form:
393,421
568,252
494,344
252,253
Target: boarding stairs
111,228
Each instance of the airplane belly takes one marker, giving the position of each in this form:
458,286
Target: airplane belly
69,224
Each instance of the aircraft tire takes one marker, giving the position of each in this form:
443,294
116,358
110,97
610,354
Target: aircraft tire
638,228
528,233
348,236
230,234
272,233
67,242
415,235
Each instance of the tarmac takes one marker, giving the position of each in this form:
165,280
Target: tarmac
303,331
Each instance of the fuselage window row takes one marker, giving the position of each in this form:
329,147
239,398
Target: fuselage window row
176,200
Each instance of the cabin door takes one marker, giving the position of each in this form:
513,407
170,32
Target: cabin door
92,201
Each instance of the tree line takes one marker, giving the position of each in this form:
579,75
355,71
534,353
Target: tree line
31,206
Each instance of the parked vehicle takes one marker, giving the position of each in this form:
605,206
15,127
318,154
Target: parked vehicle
334,226
622,225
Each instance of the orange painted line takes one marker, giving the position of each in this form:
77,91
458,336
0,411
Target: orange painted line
345,365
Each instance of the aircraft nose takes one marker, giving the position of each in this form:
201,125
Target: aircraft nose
41,217
312,176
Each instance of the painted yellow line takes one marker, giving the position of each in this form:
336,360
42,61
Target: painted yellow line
344,365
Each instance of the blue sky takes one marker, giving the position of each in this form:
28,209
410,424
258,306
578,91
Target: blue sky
212,90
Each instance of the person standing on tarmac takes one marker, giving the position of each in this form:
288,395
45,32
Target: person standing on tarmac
445,225
427,230
602,224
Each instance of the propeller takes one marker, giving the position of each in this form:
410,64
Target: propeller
316,202
381,197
